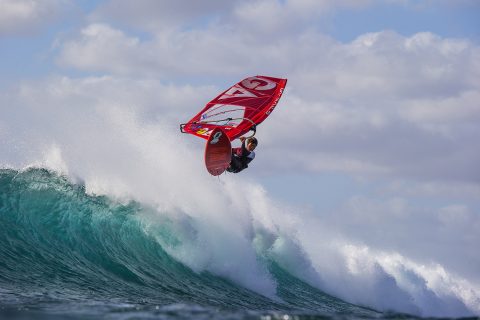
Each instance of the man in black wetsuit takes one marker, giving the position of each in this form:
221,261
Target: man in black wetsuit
242,156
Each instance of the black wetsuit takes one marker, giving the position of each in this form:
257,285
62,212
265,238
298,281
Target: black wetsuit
241,157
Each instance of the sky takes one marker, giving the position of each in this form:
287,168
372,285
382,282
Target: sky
376,134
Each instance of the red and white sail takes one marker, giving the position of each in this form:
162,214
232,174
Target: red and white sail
239,108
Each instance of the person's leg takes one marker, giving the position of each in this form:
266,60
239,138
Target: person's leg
234,164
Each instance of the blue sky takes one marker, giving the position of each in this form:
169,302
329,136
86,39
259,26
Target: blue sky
376,131
445,19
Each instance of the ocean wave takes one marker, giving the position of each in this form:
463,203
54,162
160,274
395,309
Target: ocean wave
59,243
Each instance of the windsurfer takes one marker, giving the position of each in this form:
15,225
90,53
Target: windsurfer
243,155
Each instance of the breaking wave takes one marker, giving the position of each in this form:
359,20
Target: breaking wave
68,250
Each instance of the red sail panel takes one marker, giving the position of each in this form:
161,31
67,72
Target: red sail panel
238,108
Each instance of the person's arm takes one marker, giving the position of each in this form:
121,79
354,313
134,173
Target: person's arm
244,148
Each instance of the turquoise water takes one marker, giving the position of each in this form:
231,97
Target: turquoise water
66,253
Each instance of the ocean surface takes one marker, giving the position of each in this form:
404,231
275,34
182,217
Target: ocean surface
69,254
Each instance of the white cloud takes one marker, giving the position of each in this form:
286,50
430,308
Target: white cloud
383,103
160,16
27,16
434,189
258,15
102,48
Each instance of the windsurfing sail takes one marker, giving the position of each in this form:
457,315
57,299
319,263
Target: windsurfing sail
238,109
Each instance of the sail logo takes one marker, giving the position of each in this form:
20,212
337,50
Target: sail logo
216,138
275,102
256,83
243,90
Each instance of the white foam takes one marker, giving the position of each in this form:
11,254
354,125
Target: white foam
221,224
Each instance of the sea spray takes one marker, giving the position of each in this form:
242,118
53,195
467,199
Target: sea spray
61,246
